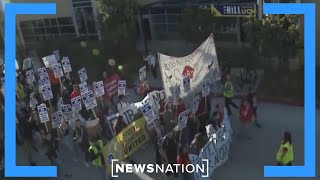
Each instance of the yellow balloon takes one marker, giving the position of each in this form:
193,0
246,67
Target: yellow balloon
95,52
83,44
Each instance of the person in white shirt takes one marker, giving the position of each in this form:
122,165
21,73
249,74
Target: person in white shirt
151,59
122,104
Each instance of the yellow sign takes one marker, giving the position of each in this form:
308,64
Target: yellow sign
127,142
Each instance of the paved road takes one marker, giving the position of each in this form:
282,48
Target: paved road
246,159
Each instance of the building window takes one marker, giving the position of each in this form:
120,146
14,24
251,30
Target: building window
44,29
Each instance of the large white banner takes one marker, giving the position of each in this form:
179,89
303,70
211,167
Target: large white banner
201,64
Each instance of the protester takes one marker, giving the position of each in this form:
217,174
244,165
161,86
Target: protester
169,148
76,91
183,159
168,115
180,107
285,153
119,125
216,120
200,139
140,88
55,85
147,88
151,59
123,103
96,157
246,117
228,94
252,98
81,139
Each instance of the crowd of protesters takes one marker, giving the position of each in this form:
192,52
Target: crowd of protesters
171,146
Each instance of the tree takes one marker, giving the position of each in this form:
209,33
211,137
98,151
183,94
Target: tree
195,24
118,22
274,36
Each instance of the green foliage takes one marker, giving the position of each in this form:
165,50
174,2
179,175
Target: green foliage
274,35
195,24
118,23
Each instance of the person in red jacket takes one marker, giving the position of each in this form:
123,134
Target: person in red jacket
76,91
246,116
182,158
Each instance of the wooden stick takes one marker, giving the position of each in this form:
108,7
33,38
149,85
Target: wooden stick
46,127
94,113
102,102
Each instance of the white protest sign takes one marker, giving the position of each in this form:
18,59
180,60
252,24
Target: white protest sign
30,76
216,151
57,70
183,119
155,98
67,112
43,113
143,73
98,88
128,113
46,92
83,87
186,83
205,88
42,72
44,81
60,103
56,119
27,64
216,74
76,104
112,119
148,113
176,95
49,61
195,104
33,101
66,65
56,53
89,100
122,87
83,74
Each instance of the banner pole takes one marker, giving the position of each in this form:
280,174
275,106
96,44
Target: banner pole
94,113
102,102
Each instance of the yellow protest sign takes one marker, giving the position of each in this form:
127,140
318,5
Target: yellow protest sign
127,142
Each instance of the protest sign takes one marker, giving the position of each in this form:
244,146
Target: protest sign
216,151
128,113
67,112
27,64
83,87
56,53
66,65
195,104
30,76
44,80
76,104
111,86
56,119
57,70
42,72
98,88
155,97
186,83
183,119
148,113
33,101
49,61
122,87
176,95
82,74
46,92
197,66
205,88
43,113
89,100
143,73
126,143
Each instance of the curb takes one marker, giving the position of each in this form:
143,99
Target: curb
268,99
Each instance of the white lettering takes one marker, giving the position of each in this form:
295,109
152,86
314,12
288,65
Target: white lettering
150,168
119,168
187,168
169,168
128,168
139,167
201,168
161,168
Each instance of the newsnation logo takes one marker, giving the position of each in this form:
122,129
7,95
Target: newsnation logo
118,167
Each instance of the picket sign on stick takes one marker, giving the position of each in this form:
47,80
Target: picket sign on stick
182,122
89,101
58,73
99,90
205,91
66,66
43,114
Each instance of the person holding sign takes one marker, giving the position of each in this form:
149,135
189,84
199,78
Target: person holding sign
119,125
228,95
123,104
169,149
76,91
55,85
82,140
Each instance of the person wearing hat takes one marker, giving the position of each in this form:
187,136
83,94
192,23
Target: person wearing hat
123,104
